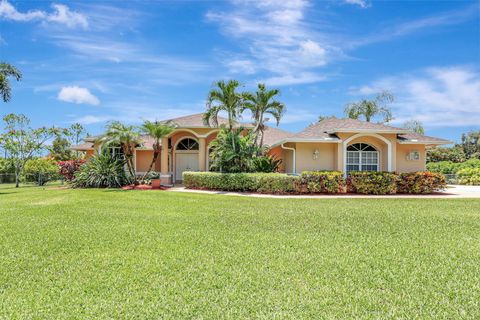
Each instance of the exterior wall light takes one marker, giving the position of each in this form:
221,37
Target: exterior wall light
316,153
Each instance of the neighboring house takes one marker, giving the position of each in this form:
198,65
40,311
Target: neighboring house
331,144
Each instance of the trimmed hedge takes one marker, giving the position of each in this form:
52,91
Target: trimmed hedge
322,182
469,176
317,182
372,182
421,182
253,182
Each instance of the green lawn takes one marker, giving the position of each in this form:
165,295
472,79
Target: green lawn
153,254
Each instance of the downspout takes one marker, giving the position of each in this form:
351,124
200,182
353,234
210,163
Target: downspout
294,157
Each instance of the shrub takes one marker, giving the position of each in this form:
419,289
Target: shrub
253,182
101,171
323,182
69,168
421,182
147,179
469,176
266,164
372,182
445,167
6,166
40,170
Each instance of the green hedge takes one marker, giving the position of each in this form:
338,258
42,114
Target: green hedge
317,182
421,182
372,182
469,176
322,182
448,167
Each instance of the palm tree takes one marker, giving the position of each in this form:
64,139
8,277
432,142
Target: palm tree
127,137
223,98
371,108
7,70
156,130
414,126
261,103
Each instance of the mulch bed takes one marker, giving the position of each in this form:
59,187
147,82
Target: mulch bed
142,187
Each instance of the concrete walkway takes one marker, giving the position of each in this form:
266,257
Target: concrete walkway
452,192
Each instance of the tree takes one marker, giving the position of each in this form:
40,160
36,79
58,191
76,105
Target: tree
75,135
6,71
414,126
23,142
233,152
321,117
224,98
156,130
260,104
453,154
471,144
127,138
368,109
60,149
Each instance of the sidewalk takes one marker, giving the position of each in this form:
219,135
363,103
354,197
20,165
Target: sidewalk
452,192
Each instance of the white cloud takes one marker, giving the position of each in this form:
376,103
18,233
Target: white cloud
360,3
61,14
277,39
440,96
78,95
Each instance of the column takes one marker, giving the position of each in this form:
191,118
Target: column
164,176
202,154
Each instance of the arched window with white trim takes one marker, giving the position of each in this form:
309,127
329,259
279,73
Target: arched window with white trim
362,157
187,144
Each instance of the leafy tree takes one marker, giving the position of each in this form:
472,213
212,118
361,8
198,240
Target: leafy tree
60,149
471,144
40,170
127,137
6,71
224,98
233,152
156,130
321,117
454,154
414,126
23,142
368,109
75,134
262,103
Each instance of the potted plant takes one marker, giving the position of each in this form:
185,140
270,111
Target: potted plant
153,178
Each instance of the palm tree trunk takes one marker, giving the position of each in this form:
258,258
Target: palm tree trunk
155,157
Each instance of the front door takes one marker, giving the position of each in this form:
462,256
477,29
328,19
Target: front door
185,162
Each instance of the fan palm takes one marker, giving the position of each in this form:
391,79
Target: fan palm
7,70
371,108
127,137
223,98
156,130
260,104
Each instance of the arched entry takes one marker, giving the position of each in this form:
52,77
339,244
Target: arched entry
362,157
186,156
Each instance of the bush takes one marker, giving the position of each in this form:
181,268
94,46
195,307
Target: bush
101,171
266,164
253,182
40,170
69,168
6,166
372,182
469,176
421,182
448,167
323,182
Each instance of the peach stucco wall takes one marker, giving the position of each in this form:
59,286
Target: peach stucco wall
405,165
326,156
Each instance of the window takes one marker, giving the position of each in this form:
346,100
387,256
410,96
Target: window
187,144
116,152
362,157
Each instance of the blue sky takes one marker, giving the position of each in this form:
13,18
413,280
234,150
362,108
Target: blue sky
92,62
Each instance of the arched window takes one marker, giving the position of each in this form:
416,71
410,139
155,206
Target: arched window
362,157
187,144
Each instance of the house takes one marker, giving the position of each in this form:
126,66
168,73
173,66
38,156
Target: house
331,144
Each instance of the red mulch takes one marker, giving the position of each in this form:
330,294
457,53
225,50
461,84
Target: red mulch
142,187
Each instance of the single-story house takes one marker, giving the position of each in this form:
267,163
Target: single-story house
331,144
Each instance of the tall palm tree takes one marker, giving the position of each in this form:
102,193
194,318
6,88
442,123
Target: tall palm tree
371,108
7,70
127,137
260,104
224,98
156,130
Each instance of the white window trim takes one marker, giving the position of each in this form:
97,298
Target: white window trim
358,135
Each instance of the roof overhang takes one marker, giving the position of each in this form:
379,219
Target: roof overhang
314,140
424,142
365,131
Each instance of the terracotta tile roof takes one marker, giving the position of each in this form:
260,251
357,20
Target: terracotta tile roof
420,138
352,125
194,121
273,136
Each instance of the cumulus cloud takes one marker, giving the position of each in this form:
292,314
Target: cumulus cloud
438,96
61,14
77,95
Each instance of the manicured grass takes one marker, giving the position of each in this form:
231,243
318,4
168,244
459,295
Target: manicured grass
154,254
